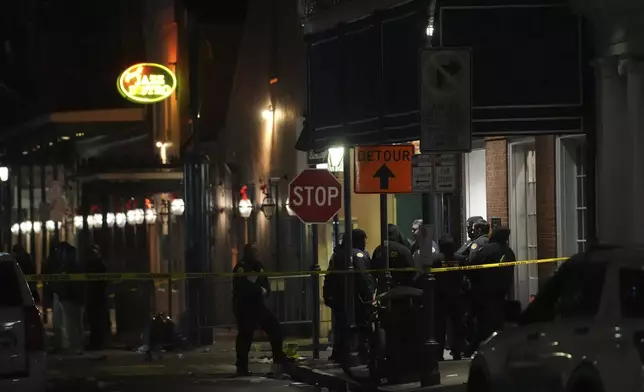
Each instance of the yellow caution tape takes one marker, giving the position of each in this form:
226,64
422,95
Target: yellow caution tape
201,275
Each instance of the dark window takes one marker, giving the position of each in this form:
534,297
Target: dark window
574,292
10,292
631,292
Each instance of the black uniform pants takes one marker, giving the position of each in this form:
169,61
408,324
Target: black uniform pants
450,310
487,309
98,318
341,330
250,317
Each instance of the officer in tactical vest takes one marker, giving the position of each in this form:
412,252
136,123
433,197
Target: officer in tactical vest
249,292
399,257
335,287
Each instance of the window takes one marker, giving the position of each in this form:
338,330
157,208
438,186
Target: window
531,204
10,292
574,292
631,292
580,190
571,195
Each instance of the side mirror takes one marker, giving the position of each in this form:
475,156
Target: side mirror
512,312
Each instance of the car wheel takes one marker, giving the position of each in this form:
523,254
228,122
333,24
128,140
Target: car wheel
477,381
587,386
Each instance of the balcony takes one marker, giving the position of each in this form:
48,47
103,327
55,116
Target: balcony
320,15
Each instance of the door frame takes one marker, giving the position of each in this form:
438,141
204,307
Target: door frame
521,282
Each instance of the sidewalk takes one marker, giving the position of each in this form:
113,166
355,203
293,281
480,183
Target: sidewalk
217,359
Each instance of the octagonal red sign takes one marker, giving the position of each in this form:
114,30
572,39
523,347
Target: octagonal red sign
315,195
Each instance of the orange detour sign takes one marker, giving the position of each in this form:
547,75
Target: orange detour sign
383,169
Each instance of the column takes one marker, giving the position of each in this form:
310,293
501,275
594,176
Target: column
635,105
614,156
197,248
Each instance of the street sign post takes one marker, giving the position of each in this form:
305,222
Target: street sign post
315,195
446,100
383,169
422,173
445,172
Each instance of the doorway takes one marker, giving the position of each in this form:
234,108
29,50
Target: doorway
523,217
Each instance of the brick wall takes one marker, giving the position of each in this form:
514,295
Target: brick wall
496,180
546,204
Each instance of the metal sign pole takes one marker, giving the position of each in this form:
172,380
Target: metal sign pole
349,293
315,288
384,241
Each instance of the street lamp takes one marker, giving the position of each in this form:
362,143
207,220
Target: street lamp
4,173
98,220
131,217
177,207
139,216
25,227
15,229
336,159
91,222
245,208
78,222
268,207
150,216
37,227
50,225
120,219
110,218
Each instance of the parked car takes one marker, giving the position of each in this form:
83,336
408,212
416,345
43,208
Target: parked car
584,331
22,336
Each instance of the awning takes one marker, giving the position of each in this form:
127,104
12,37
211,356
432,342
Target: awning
529,78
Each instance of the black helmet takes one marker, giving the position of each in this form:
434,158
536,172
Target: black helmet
469,225
480,227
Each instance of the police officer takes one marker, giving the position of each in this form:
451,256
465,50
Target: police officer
335,287
449,301
399,257
491,286
463,252
415,232
402,313
249,292
477,230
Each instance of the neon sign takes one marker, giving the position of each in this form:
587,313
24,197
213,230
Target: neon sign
147,83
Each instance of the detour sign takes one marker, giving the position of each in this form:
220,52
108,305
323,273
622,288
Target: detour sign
383,169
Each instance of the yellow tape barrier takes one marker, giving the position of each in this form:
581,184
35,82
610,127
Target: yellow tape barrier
201,275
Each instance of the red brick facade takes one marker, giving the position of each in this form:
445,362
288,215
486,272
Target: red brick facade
496,160
496,178
546,203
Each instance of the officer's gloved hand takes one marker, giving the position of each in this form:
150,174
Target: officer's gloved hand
264,292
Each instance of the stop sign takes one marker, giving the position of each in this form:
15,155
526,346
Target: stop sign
315,195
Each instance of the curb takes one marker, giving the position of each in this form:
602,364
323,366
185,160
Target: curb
308,375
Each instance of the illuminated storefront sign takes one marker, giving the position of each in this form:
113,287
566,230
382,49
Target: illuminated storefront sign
147,83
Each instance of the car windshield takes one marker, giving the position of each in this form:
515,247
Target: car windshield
10,293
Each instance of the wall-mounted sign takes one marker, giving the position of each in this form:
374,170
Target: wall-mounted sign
147,83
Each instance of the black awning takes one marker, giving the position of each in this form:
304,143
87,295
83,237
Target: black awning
529,72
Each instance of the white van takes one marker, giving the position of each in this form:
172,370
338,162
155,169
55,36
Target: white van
22,339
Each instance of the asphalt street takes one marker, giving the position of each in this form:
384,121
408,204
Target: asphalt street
187,372
177,383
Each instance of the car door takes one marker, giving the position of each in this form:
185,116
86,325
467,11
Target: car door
576,333
558,327
13,357
524,369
